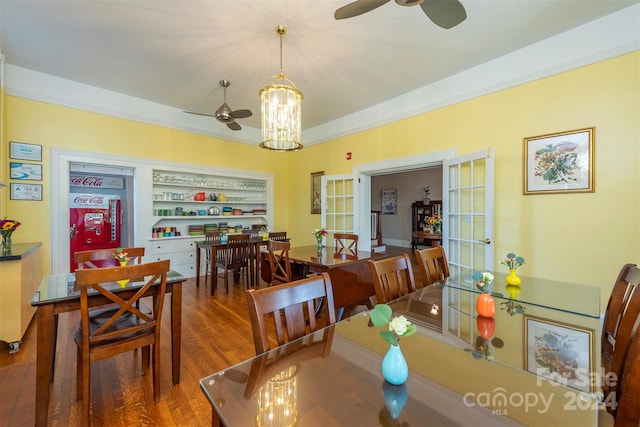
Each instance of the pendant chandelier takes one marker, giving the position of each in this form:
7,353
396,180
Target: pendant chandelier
281,107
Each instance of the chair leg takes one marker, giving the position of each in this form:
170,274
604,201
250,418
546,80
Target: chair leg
156,371
86,390
55,340
145,359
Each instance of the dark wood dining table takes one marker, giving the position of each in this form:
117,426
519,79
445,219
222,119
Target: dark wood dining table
58,294
433,238
333,377
255,243
350,273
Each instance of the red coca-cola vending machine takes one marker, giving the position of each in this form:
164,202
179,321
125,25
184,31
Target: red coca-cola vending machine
95,221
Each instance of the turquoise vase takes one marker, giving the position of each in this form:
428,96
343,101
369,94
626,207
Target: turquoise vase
394,366
395,397
319,245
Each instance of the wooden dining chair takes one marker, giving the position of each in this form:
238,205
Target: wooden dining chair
620,318
127,329
278,252
433,264
392,277
234,257
627,397
345,244
278,235
293,306
213,238
100,258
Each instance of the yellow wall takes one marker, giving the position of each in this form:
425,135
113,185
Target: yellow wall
574,237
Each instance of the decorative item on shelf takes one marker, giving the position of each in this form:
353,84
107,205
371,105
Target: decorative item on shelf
199,197
7,227
122,258
485,305
319,233
435,223
394,365
395,397
425,192
513,262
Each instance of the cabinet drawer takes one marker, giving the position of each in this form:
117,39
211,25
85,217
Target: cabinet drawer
186,269
171,246
177,258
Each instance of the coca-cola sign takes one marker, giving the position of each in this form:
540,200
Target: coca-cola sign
96,201
96,181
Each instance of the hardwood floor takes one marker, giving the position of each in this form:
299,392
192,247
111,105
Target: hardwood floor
216,334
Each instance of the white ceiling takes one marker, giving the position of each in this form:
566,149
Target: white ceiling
174,52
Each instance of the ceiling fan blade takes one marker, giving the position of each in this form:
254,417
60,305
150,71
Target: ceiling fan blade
357,8
199,114
234,126
444,13
241,114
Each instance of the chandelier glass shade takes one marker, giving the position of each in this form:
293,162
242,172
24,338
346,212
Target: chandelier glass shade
281,109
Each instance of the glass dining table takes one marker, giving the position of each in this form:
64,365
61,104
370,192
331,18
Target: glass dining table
534,363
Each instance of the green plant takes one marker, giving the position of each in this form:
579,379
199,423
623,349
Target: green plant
513,261
120,256
482,280
399,326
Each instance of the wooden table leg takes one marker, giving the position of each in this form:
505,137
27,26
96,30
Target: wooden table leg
44,362
176,331
198,266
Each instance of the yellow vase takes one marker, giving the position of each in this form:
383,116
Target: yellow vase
123,283
512,278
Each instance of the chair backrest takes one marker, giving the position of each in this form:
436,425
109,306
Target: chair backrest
278,235
279,261
620,317
392,277
253,233
236,251
433,264
299,302
627,413
99,280
346,243
100,258
212,237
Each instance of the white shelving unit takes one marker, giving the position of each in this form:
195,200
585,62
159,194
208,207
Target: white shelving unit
175,191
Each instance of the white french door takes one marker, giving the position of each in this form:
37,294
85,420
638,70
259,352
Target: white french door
468,236
468,212
339,211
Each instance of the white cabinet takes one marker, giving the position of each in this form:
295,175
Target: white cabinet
181,252
184,201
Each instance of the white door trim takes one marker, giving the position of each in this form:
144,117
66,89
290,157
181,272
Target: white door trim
365,171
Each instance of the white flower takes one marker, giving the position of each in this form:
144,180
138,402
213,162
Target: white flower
487,277
399,325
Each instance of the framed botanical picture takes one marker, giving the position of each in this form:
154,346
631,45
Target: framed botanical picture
22,151
389,201
559,352
559,162
316,192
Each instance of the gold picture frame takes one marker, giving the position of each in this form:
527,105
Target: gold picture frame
316,192
560,162
559,352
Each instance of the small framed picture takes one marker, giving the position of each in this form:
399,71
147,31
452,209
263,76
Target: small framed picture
316,192
559,352
20,191
559,162
389,200
22,151
30,171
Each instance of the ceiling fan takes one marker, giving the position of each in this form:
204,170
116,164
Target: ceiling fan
224,114
444,13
